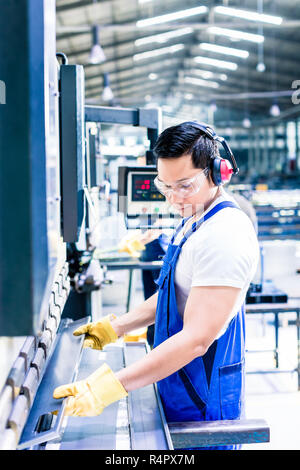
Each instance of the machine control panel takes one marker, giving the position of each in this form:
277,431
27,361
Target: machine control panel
138,195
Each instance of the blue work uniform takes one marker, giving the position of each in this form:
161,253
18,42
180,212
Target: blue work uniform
210,387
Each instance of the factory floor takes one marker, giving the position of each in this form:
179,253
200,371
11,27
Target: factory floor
273,397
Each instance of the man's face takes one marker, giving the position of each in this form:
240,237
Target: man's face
175,172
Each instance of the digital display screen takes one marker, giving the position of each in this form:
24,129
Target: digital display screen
143,188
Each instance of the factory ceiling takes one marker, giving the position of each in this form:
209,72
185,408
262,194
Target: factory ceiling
187,56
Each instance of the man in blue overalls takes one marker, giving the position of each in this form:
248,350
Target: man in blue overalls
198,310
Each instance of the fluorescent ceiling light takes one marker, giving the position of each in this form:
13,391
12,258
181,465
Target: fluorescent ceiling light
208,74
249,15
161,51
164,37
216,63
224,50
234,34
200,82
171,16
153,76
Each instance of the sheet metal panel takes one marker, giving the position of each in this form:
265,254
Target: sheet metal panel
136,422
148,427
61,369
99,432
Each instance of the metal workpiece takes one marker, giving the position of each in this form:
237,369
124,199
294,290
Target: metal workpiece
148,426
6,404
106,431
217,433
16,375
62,366
135,422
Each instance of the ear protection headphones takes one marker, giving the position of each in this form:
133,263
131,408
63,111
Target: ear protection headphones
221,169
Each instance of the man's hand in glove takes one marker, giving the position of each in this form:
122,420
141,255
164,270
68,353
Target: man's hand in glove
97,334
90,396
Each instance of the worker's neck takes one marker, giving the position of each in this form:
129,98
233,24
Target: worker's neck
214,193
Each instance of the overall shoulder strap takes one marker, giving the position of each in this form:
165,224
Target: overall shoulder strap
178,228
213,211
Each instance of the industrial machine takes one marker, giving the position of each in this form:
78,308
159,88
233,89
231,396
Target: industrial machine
143,206
49,282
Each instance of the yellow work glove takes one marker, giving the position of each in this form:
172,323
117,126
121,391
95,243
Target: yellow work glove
89,397
97,334
131,245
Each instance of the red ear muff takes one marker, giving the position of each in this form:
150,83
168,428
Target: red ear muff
226,171
221,171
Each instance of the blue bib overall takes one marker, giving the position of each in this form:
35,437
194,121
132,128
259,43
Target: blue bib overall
210,387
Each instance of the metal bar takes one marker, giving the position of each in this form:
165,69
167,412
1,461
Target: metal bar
147,421
272,371
61,368
86,28
149,118
215,433
107,115
116,265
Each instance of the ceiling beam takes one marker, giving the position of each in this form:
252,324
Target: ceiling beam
198,26
74,5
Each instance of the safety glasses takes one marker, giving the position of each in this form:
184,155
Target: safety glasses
184,188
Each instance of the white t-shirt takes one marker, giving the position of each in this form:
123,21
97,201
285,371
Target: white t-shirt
224,251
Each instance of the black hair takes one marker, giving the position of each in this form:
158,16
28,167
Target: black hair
183,139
